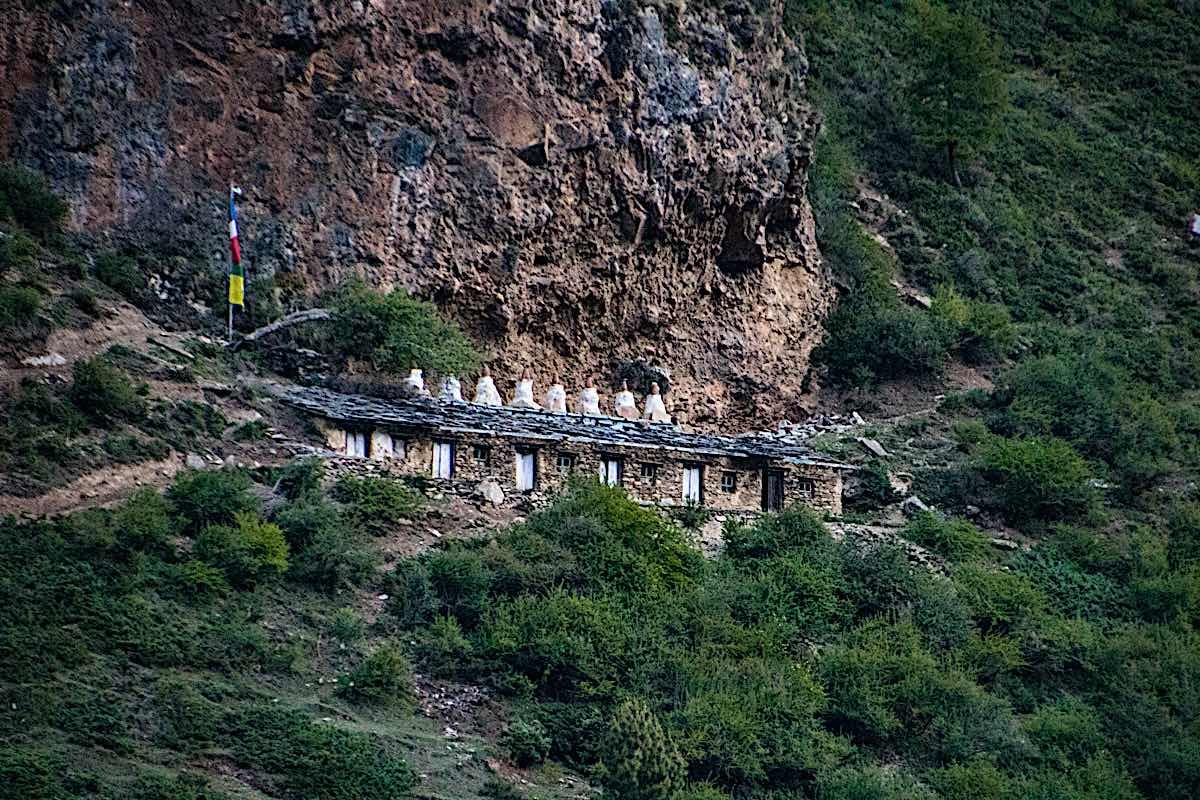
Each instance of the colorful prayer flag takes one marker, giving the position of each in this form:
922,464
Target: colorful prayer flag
237,275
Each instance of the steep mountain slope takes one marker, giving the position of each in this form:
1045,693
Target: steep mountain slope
579,184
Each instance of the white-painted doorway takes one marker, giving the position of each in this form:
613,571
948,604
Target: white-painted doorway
693,484
610,470
356,444
443,460
526,470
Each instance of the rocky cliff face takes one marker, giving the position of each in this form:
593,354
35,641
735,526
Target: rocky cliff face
582,184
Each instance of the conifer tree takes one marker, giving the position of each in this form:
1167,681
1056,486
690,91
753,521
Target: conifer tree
638,760
959,91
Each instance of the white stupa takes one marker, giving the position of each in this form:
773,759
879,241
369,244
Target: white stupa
589,401
655,410
486,393
451,390
523,398
556,398
415,382
623,404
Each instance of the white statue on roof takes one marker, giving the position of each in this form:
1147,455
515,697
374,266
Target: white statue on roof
589,400
655,410
451,390
415,382
556,398
486,393
524,394
623,404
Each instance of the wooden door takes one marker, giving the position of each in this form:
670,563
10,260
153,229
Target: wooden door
772,490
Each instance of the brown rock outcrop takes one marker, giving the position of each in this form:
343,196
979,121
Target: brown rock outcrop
583,185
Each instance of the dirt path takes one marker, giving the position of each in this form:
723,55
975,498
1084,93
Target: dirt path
99,488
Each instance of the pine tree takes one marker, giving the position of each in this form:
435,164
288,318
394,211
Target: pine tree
959,91
638,761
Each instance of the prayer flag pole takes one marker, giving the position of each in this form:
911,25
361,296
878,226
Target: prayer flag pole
237,275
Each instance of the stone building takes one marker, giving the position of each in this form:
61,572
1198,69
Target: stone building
527,450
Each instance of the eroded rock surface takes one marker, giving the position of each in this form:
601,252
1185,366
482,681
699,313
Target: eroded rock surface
581,184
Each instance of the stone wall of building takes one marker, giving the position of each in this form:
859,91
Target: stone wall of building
650,476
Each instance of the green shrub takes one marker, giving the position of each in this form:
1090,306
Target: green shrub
870,783
1038,478
460,582
526,742
122,274
692,516
248,551
17,251
210,497
27,200
955,538
410,595
874,486
394,332
195,579
795,530
318,760
300,478
19,307
334,558
1000,601
1065,733
85,300
302,522
143,522
375,504
382,678
188,719
443,647
32,775
347,625
1071,590
871,342
104,392
972,780
639,762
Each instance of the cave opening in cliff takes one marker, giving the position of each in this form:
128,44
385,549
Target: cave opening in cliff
739,255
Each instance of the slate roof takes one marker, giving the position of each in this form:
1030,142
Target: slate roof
528,424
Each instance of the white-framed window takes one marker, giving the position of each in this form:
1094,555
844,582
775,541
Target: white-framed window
356,444
693,484
649,472
611,470
526,464
564,463
728,482
443,460
806,488
481,454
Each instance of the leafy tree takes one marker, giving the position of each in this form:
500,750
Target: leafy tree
394,332
639,762
958,93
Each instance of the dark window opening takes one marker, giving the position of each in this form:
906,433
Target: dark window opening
649,471
565,462
482,454
729,482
